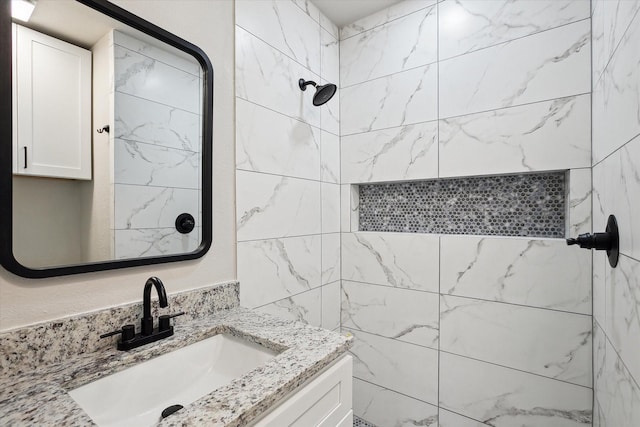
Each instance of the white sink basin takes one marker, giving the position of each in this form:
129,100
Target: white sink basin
138,395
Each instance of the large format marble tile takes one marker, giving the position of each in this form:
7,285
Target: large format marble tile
304,307
331,306
147,78
276,206
617,394
273,269
399,45
616,96
579,199
148,164
329,27
388,14
600,266
405,368
468,25
623,311
330,207
542,273
269,78
616,185
544,342
147,242
399,99
167,54
330,58
402,260
503,397
599,52
599,380
548,135
283,25
330,157
330,257
141,120
451,419
141,206
330,111
349,207
551,64
402,314
384,407
308,8
617,15
401,153
289,147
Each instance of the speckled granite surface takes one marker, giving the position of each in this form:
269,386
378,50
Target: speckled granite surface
38,395
27,348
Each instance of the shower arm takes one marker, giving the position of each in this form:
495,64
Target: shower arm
303,84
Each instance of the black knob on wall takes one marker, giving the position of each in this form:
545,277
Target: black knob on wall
608,241
185,223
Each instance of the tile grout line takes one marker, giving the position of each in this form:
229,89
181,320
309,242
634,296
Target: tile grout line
386,22
466,53
469,358
318,127
471,113
439,370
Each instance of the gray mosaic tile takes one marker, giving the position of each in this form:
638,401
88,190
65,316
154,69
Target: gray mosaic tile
359,422
531,205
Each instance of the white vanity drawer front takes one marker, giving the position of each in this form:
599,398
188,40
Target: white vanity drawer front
324,402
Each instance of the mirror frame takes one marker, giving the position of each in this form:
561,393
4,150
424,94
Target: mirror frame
7,258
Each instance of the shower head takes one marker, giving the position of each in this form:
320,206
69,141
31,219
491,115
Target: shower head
323,93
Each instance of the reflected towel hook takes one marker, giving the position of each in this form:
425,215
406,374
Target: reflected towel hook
105,128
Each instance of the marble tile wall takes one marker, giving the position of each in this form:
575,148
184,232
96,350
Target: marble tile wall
616,190
287,162
458,330
156,149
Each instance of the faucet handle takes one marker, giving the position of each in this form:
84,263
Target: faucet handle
127,331
164,322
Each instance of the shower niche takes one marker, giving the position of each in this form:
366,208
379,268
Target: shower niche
519,205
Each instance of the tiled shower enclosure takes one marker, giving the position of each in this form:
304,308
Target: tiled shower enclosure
451,329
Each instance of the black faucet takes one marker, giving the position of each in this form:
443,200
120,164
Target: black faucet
146,324
147,334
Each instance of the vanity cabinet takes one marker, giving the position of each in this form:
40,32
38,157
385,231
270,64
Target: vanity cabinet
52,114
324,401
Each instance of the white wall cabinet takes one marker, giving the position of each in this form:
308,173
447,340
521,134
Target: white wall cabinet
325,401
52,106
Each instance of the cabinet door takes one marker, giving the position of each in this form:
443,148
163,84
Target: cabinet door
53,107
326,401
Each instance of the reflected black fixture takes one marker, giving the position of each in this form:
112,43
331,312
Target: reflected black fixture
323,93
608,241
185,223
130,339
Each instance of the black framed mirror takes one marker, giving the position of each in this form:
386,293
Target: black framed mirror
105,141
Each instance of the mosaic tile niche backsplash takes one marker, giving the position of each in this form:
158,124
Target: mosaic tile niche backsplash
507,205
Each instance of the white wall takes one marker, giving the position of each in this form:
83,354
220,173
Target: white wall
47,217
468,328
97,194
287,161
209,25
616,190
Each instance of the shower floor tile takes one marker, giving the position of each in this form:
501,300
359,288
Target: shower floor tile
358,422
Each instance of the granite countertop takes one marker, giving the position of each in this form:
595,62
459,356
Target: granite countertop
39,396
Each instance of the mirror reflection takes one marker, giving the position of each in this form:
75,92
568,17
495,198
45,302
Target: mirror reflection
107,131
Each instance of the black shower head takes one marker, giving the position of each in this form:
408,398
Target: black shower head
323,93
